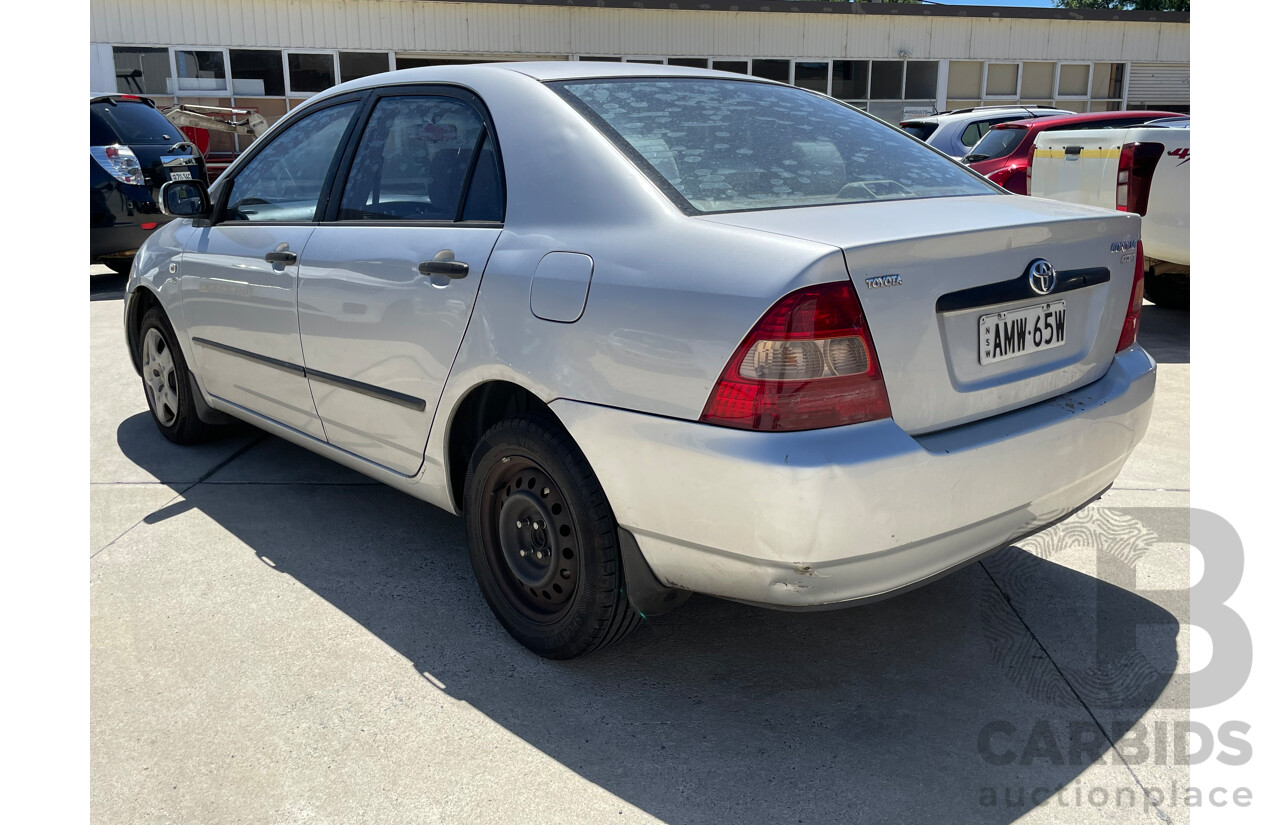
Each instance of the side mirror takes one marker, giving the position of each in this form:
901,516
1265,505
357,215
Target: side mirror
185,199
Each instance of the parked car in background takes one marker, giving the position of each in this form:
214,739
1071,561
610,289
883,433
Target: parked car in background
1143,170
956,132
654,330
1004,153
133,151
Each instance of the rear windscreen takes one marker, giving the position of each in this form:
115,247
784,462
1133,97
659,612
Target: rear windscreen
128,123
997,143
920,130
728,145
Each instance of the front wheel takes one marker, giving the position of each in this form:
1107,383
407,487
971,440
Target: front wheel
166,382
543,541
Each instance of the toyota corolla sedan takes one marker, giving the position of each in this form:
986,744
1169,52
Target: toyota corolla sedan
652,331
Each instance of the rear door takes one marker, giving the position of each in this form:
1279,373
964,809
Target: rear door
239,276
389,280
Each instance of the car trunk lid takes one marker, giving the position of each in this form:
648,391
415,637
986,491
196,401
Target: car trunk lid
947,294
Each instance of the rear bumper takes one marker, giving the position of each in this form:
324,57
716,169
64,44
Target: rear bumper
802,520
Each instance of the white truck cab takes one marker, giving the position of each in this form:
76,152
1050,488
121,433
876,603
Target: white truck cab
1145,170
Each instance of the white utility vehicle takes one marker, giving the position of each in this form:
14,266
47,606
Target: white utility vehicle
1145,170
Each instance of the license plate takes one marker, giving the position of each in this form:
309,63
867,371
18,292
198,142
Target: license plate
1006,335
179,174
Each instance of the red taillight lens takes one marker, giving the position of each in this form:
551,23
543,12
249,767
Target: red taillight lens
1000,175
149,225
808,363
1129,332
1133,176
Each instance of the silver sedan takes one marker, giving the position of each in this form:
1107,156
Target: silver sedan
653,331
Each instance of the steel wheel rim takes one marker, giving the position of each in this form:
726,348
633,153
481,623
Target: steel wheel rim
160,377
530,541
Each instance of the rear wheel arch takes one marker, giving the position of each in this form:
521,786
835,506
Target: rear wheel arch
483,406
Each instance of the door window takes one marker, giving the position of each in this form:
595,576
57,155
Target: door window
413,160
284,181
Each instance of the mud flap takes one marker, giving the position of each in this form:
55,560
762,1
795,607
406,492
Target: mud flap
647,595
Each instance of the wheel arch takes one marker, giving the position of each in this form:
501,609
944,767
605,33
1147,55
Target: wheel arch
139,301
479,409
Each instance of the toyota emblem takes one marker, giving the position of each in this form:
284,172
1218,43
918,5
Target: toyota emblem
1042,276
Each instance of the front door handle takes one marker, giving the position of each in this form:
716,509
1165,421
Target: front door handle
444,264
281,256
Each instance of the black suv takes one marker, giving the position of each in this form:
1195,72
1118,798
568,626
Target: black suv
133,151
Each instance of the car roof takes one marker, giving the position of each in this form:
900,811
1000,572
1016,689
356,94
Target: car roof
979,112
541,70
1055,122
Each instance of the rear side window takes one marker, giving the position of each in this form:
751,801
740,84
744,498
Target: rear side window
127,123
414,160
997,143
728,145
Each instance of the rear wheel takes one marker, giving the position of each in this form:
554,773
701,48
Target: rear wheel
1171,290
543,541
166,382
120,266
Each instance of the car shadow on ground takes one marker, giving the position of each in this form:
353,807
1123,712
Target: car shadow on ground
107,287
921,708
1166,334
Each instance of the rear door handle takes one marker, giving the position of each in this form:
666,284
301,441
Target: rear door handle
444,264
281,257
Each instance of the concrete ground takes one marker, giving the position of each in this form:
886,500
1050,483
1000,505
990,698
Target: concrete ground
276,639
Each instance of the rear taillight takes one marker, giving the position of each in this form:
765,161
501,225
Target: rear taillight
1129,332
1000,175
1133,177
808,363
120,162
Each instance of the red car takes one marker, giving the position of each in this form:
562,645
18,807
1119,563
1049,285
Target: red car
1005,151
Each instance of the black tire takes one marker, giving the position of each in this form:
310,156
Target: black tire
530,490
120,266
169,388
1172,291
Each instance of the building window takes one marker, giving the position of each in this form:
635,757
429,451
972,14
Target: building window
1073,79
142,71
257,72
886,79
310,72
688,62
964,81
922,80
362,64
812,75
850,79
1002,80
1037,81
200,71
779,70
738,66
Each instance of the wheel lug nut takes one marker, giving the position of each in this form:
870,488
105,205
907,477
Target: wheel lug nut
523,552
519,524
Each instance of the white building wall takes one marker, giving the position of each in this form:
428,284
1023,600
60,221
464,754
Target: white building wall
469,28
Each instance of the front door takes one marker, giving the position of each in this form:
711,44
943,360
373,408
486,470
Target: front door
387,286
239,276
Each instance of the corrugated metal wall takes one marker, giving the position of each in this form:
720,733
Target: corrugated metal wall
1154,84
467,28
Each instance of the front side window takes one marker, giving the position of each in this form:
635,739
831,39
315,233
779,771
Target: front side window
413,160
724,145
284,181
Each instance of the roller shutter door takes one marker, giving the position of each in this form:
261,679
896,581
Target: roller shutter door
1153,85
